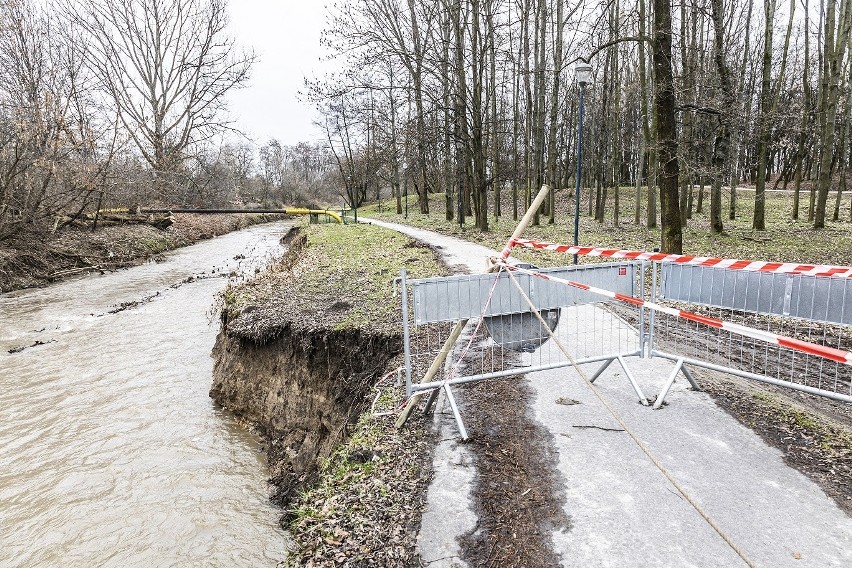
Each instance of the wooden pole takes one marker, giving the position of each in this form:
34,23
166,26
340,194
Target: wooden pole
456,332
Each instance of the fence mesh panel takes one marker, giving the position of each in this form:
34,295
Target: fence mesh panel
801,307
502,335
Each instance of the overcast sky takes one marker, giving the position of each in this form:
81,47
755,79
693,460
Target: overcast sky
285,35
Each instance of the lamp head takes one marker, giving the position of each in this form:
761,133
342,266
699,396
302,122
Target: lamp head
583,72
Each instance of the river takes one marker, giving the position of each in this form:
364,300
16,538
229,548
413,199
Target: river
111,452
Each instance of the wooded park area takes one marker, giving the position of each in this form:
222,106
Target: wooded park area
109,103
477,97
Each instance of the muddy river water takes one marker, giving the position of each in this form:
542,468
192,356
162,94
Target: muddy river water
111,452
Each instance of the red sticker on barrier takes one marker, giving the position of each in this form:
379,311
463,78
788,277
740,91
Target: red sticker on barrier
622,271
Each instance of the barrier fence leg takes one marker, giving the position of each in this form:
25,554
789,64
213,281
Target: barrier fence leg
455,408
688,374
433,370
662,396
430,401
639,393
460,325
602,368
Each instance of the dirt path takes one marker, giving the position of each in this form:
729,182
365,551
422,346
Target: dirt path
622,510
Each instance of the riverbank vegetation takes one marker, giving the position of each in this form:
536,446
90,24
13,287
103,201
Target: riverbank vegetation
308,353
28,260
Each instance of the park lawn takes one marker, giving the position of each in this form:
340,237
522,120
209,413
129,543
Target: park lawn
784,240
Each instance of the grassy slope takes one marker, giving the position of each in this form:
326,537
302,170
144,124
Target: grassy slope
341,278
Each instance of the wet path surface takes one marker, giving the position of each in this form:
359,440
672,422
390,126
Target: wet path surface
111,452
623,511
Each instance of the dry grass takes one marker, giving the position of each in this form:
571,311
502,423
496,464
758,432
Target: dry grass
333,277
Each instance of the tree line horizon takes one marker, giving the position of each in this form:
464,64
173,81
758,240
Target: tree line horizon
474,98
109,101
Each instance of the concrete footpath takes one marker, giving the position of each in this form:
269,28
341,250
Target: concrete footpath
623,511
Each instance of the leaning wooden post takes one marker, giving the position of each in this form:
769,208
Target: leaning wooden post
454,334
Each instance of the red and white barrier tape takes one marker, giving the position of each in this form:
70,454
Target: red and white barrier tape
837,355
732,264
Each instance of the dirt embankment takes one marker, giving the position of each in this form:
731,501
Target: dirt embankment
301,349
302,390
30,260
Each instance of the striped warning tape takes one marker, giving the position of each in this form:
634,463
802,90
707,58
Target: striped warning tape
837,355
732,264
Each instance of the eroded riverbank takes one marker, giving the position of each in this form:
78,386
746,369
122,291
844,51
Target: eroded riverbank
30,260
300,353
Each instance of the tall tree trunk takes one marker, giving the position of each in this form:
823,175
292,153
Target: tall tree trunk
833,54
763,126
494,145
744,104
806,110
844,146
615,114
647,117
417,79
528,107
721,145
664,107
615,127
397,194
477,71
688,118
554,110
461,135
847,154
516,122
446,83
538,129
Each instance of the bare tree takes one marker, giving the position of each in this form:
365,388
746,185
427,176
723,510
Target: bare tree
53,154
837,29
166,66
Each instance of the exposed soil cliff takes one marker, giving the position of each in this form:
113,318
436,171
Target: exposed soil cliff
302,390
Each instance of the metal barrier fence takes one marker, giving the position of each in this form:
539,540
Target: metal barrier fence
511,321
790,328
812,309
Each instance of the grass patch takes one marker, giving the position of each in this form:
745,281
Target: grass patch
365,507
336,277
835,440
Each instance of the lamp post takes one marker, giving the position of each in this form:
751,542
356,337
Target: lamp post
584,76
405,185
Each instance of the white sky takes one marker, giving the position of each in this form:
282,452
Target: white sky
285,35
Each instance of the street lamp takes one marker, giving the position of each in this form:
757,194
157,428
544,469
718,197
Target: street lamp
584,76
